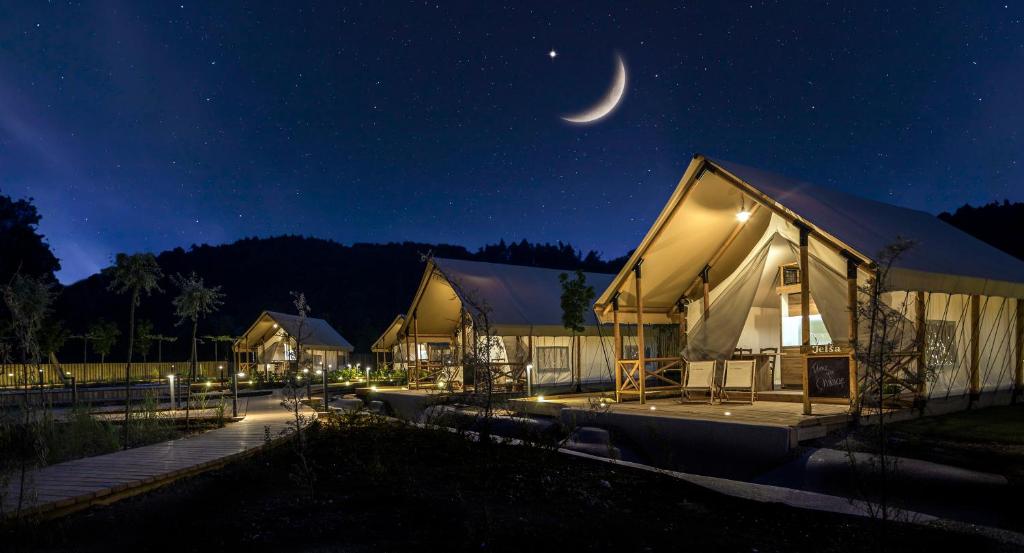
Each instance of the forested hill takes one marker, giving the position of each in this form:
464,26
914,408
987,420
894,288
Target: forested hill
998,223
358,288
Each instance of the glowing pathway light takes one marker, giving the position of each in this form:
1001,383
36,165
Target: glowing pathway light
170,382
529,380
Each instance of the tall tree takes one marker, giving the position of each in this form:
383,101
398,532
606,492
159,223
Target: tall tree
103,335
28,300
135,275
194,301
144,338
25,251
577,298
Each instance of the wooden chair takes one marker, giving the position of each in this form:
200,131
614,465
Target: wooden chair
772,356
739,377
700,376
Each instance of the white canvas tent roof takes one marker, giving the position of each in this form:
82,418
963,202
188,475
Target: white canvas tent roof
519,300
698,227
316,333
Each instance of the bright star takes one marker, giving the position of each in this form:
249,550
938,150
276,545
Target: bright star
552,54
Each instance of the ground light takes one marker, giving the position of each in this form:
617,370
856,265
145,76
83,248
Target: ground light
540,398
653,408
728,413
170,383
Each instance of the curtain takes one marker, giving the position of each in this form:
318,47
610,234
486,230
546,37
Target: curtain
716,336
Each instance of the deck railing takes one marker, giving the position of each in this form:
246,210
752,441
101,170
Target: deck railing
659,374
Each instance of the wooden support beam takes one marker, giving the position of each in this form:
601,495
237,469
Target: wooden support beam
805,314
1018,378
642,371
416,345
975,348
921,394
466,377
683,307
853,308
617,333
805,293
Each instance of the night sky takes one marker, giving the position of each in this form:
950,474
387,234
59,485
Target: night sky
145,125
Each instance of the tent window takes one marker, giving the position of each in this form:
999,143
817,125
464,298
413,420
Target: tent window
941,340
552,360
792,324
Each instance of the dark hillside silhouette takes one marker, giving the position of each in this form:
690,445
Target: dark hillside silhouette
357,288
999,224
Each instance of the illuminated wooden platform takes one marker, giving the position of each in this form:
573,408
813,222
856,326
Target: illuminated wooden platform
785,414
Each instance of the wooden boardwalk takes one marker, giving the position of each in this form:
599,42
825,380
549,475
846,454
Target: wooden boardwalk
74,485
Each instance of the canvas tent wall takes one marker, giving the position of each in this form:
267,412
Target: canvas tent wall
523,310
708,272
269,343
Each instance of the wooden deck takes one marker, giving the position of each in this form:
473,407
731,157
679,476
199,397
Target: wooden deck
765,413
66,487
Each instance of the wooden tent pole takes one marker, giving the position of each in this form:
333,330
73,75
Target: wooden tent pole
1018,379
462,348
975,348
922,348
416,345
805,314
617,347
854,317
408,365
642,370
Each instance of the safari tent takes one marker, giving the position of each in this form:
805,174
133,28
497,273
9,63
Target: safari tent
521,309
744,262
268,346
386,345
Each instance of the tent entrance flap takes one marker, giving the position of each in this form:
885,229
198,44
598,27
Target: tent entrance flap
715,336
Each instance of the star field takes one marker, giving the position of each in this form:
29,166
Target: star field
146,126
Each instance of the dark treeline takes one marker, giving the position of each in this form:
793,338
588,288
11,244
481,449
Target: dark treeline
999,224
357,288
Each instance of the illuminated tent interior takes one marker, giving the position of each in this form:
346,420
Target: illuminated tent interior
522,308
725,251
269,343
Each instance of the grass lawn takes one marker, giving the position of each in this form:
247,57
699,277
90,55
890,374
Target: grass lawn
1002,425
988,440
381,486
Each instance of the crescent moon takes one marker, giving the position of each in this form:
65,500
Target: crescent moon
608,103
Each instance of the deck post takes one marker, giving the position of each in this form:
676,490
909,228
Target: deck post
642,370
462,347
408,365
416,345
617,347
854,317
805,312
922,348
1018,373
975,392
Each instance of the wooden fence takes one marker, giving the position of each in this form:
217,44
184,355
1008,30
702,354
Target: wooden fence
47,374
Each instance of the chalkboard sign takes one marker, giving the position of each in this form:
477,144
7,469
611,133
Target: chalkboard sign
828,376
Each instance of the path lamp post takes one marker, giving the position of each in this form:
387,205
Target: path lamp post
367,375
529,380
234,391
170,385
